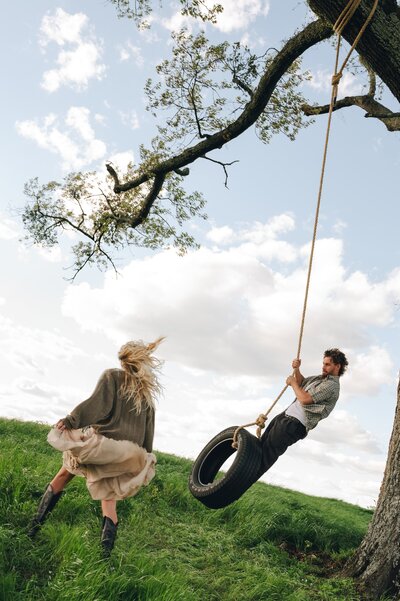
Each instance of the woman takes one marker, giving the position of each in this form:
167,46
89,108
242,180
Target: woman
108,438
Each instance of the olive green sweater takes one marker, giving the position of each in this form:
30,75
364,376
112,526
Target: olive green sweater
114,417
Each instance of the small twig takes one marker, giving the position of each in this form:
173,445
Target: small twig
223,165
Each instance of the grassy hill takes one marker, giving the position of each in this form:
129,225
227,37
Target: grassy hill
273,544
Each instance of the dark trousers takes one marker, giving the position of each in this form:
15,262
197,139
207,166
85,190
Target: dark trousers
282,431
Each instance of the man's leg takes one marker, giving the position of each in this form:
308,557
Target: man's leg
282,432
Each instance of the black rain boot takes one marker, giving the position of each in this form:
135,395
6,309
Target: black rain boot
47,503
108,534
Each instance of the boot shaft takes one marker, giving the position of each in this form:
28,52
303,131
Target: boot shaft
108,534
46,504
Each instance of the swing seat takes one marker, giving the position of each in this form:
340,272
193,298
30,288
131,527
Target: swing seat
243,472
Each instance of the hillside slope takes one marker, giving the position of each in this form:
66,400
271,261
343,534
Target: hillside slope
273,544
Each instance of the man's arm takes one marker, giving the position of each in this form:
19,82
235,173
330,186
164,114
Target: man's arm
297,374
302,396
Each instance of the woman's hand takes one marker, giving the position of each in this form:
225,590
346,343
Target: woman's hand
60,425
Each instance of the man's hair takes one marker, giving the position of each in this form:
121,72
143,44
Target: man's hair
338,358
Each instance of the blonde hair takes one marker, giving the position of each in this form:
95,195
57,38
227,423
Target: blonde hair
141,383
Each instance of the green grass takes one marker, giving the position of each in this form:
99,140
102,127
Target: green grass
273,544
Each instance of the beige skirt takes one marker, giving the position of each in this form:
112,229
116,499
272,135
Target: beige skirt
114,469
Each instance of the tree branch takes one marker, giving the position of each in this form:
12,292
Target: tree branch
243,86
312,34
372,108
149,200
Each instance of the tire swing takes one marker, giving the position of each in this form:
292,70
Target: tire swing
241,475
246,467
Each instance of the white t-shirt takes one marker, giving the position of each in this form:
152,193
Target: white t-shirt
296,410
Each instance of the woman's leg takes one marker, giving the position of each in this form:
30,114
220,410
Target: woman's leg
110,525
61,480
109,509
50,497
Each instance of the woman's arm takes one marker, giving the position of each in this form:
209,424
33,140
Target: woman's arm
149,434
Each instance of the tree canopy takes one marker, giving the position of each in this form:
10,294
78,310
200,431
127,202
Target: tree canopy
204,96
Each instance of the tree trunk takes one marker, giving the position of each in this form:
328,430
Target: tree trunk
380,43
376,563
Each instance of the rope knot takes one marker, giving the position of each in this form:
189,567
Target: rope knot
335,86
260,421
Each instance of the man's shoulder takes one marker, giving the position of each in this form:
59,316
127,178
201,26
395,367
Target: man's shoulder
321,378
310,379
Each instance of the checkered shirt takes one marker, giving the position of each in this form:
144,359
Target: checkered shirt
324,391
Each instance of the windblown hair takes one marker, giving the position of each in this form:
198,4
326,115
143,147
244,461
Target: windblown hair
338,358
141,383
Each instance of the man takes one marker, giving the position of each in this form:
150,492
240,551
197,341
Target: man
316,396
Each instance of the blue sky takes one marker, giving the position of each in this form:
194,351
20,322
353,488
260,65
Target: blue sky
73,99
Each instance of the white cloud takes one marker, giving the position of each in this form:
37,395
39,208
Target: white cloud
9,229
343,429
177,22
130,51
72,139
81,62
121,160
25,398
369,370
252,40
236,15
259,238
62,28
239,14
52,255
221,235
231,312
130,119
320,80
100,119
349,85
339,226
33,348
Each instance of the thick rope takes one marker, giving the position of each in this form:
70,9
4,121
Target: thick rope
338,27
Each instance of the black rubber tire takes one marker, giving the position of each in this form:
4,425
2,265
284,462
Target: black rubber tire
239,477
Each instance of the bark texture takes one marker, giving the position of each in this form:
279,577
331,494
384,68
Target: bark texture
380,43
376,563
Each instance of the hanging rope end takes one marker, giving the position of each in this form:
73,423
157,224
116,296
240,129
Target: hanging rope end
235,443
335,86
